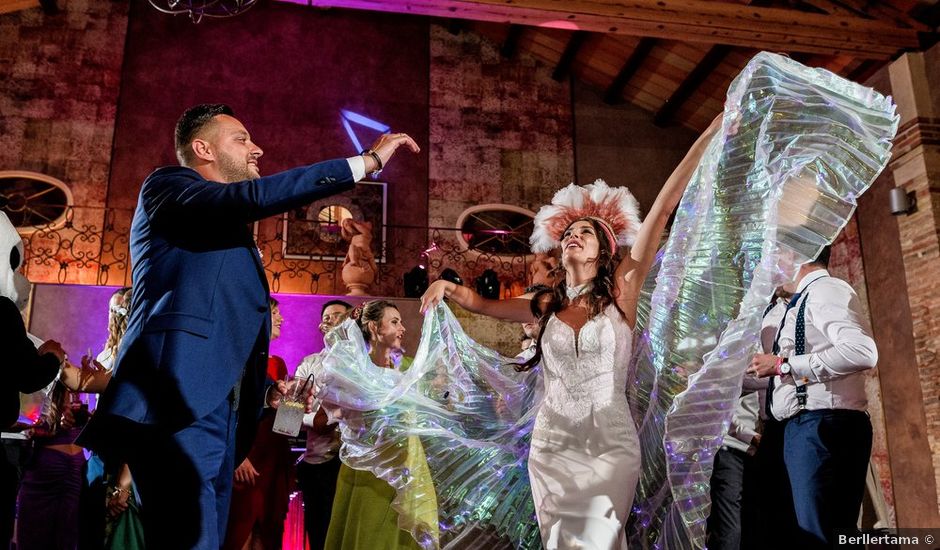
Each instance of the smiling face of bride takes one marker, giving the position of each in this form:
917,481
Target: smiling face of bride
580,244
586,251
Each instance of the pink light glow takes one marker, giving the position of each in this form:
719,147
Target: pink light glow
560,24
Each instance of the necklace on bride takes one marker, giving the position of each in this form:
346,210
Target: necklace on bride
574,291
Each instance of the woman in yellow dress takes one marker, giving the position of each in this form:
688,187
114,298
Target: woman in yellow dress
368,513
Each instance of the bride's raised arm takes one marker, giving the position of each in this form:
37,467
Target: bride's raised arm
633,268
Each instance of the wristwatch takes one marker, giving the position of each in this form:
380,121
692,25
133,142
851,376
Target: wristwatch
784,367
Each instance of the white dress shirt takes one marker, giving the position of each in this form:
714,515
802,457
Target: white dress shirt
358,167
743,425
839,347
768,332
320,447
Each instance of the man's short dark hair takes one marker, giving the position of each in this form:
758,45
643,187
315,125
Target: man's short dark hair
191,123
346,305
823,257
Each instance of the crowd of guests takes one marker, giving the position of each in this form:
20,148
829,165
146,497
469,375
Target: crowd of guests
761,469
185,452
96,503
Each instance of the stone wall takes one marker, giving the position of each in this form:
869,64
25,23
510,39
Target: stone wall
59,81
501,133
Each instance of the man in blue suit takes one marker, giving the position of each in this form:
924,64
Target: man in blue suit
189,379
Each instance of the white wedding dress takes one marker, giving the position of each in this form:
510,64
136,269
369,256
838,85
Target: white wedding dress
584,461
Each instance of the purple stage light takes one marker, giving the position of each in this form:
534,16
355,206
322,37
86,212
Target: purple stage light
348,117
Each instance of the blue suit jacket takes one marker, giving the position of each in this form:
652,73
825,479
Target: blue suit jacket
199,320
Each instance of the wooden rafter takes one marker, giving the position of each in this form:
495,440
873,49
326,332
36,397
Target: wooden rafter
864,71
456,26
615,91
775,29
709,63
563,68
511,42
7,6
885,11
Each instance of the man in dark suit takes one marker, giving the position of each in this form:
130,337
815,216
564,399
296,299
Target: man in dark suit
192,363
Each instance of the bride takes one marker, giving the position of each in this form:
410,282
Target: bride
584,460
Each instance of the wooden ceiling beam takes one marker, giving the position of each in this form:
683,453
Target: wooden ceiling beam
563,68
639,54
456,26
885,11
7,6
511,42
864,71
833,8
702,21
705,67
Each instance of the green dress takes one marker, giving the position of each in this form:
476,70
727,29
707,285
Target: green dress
363,517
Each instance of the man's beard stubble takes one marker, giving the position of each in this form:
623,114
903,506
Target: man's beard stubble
234,170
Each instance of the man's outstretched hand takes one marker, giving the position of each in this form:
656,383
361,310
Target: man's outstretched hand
385,148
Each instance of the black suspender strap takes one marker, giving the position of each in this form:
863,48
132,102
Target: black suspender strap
799,348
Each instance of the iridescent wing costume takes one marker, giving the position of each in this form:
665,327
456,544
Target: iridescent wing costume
450,434
460,405
763,201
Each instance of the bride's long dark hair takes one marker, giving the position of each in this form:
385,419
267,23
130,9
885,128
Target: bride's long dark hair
552,300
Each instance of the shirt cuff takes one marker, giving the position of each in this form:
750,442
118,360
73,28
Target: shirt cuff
358,166
801,367
745,435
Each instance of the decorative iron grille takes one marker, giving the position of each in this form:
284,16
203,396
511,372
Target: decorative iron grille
92,247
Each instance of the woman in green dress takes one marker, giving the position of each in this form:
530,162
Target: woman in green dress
368,513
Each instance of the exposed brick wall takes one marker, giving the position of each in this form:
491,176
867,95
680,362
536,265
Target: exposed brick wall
918,171
916,132
846,264
59,80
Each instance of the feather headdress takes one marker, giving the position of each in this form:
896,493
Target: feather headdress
615,207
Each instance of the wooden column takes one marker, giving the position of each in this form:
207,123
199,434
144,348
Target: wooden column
902,267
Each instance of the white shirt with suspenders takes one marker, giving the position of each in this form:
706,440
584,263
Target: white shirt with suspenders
826,340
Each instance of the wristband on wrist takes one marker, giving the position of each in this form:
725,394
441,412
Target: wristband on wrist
777,367
375,156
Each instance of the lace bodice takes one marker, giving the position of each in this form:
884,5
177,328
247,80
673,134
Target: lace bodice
588,375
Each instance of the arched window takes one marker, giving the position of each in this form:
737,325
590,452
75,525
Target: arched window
32,200
500,229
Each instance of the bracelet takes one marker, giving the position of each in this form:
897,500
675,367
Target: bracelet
777,368
375,156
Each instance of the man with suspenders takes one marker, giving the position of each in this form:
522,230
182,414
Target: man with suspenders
816,404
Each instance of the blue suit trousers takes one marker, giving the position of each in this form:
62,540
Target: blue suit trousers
185,482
